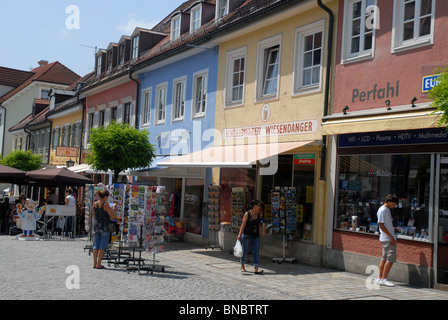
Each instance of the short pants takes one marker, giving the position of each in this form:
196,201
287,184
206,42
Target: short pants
389,252
101,240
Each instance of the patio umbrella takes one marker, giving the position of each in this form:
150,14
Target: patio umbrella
12,175
58,177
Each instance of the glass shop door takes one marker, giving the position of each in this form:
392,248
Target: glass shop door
442,241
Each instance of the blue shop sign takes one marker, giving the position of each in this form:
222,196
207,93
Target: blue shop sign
388,138
430,82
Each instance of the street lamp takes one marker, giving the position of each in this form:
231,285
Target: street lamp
70,163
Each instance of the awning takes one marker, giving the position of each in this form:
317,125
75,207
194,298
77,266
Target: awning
418,119
239,156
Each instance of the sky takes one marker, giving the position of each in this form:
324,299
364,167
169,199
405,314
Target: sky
69,31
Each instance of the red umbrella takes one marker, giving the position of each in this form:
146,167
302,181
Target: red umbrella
58,177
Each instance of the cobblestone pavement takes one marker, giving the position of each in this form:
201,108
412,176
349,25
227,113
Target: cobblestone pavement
44,270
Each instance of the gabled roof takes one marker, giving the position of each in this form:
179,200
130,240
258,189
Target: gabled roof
54,72
13,77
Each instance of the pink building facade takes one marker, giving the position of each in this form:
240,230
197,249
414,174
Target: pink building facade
383,137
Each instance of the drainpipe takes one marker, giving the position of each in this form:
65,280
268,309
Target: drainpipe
137,100
327,82
4,125
78,89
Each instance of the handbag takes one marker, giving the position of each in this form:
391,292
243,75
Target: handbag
238,249
110,225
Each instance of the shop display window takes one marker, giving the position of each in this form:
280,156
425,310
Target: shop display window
364,180
194,190
237,189
297,171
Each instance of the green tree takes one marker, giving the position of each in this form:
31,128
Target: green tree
23,160
440,96
119,147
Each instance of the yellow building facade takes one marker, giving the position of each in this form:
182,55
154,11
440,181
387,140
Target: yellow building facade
270,103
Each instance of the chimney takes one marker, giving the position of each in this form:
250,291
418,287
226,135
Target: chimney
42,63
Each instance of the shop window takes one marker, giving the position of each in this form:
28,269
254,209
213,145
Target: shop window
194,191
364,180
295,175
237,190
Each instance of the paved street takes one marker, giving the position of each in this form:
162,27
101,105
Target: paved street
40,269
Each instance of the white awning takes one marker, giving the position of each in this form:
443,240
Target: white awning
235,156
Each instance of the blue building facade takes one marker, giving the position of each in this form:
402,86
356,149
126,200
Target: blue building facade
177,107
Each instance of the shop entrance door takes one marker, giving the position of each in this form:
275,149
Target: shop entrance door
442,241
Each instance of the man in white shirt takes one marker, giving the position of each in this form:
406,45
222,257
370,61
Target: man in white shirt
388,239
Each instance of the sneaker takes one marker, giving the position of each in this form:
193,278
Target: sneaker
379,281
387,283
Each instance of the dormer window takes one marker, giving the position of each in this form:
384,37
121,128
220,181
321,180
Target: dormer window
135,43
124,50
195,17
99,63
222,7
175,28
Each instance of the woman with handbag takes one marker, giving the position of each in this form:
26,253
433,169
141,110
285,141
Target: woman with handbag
102,227
250,233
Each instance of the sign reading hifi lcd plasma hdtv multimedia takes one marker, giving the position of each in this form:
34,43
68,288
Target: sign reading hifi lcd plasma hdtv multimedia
388,138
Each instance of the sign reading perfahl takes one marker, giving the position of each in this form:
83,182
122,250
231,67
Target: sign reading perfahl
377,93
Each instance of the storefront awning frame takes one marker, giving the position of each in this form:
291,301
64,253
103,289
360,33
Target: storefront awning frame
233,156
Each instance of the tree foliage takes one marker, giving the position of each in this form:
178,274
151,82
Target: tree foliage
440,96
23,160
119,147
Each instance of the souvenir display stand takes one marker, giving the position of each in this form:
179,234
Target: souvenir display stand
141,212
284,217
214,215
238,203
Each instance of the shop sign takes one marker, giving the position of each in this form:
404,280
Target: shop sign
305,158
276,129
377,93
430,82
67,152
387,138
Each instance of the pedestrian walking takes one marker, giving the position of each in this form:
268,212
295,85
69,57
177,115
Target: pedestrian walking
70,201
249,234
100,211
388,239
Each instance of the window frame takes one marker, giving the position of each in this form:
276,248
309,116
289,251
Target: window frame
135,46
175,31
194,10
159,88
183,82
265,47
346,55
146,108
299,51
231,57
221,10
398,44
204,87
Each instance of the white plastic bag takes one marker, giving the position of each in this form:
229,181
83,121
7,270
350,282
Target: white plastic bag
238,249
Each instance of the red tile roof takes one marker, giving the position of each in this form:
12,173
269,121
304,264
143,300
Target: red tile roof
54,72
13,77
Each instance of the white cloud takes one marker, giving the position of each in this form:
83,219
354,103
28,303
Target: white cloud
128,26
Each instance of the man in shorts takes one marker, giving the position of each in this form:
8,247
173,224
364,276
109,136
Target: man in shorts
388,239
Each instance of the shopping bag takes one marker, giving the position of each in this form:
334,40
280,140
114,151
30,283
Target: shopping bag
238,249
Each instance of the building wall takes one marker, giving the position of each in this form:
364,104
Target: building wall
163,135
287,107
385,69
61,122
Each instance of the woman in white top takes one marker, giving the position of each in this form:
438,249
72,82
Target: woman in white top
70,201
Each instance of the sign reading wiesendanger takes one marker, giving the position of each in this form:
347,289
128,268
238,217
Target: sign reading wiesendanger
266,130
